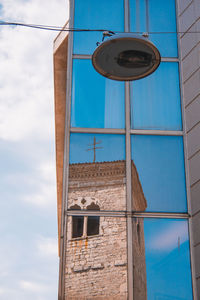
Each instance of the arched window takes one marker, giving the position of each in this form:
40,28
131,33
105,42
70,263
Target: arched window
77,223
83,226
93,221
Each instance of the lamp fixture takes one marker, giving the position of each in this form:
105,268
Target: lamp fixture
126,57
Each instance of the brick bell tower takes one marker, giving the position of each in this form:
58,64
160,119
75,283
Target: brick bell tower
96,255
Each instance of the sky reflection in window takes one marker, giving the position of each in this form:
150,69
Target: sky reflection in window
90,14
162,18
97,171
155,100
112,147
159,161
97,102
167,259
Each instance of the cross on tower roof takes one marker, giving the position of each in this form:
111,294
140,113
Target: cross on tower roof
94,148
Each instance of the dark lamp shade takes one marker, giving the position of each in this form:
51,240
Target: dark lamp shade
126,57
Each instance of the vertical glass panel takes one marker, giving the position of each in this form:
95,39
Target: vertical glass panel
97,102
158,17
138,17
97,265
97,172
158,163
163,259
155,100
162,18
101,14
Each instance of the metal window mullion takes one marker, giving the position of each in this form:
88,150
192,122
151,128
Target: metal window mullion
128,168
123,131
82,56
88,56
169,59
125,214
156,132
128,195
97,130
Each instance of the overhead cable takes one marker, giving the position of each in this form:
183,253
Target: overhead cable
57,28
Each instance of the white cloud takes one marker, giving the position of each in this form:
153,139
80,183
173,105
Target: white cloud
44,181
48,171
32,286
44,198
169,237
2,291
26,78
27,136
47,246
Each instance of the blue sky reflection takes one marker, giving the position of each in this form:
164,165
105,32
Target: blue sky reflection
167,259
107,16
97,102
112,147
155,100
160,164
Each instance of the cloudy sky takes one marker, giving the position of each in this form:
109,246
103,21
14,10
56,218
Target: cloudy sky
28,226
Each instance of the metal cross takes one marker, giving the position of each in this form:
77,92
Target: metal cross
94,148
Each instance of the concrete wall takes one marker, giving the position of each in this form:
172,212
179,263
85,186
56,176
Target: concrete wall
189,22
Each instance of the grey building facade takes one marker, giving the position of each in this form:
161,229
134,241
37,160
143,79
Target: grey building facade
189,25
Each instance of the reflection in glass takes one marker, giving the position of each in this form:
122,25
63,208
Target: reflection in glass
167,257
159,162
139,262
97,172
155,100
90,14
97,102
161,17
112,147
97,264
138,18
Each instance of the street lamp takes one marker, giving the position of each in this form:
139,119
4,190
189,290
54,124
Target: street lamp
126,57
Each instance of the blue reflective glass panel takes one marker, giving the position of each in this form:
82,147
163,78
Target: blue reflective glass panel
167,258
97,102
155,100
138,18
159,162
158,17
162,18
101,14
109,147
97,172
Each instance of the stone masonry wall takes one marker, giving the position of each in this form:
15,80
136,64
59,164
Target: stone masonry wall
96,266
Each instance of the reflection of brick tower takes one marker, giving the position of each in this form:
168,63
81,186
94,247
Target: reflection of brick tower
96,264
140,204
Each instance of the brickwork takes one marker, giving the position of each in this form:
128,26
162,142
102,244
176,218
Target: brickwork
96,266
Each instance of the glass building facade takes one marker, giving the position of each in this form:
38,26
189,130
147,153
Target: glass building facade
126,229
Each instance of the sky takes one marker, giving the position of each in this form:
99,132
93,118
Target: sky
28,212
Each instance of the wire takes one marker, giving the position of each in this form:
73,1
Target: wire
53,28
57,28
